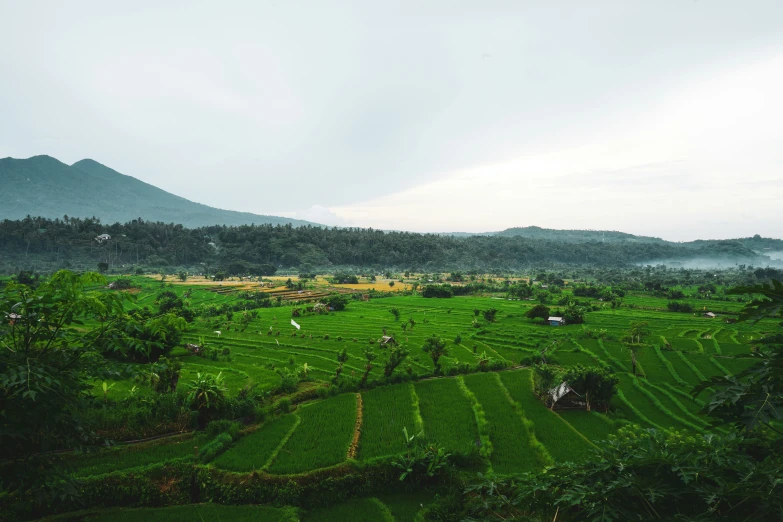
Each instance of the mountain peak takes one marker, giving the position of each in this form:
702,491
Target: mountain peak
51,189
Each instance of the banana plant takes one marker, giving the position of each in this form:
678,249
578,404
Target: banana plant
106,387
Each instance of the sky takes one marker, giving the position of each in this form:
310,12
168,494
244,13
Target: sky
658,118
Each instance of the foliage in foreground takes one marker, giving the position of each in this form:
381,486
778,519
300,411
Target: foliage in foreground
642,475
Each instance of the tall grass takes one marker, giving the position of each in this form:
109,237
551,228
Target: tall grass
387,410
447,415
195,512
513,447
561,440
322,439
254,450
355,510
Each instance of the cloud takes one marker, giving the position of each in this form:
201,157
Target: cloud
699,164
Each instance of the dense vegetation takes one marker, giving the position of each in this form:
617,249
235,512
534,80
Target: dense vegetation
379,406
46,244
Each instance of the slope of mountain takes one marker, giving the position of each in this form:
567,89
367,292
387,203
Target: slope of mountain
564,236
44,186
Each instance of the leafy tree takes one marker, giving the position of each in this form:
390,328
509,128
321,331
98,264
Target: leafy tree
396,356
441,291
165,375
436,348
370,356
136,338
337,301
752,399
540,311
489,315
183,276
26,277
207,395
391,284
103,267
47,363
640,475
596,385
396,313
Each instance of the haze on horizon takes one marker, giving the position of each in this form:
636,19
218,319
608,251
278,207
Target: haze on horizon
656,118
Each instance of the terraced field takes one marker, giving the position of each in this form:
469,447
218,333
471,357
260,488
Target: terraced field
494,415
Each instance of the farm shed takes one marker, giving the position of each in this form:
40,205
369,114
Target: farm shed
710,315
556,321
12,318
562,395
387,340
102,237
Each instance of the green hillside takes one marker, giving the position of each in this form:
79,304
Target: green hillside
44,186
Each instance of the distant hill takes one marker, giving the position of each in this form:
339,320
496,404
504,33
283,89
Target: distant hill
565,236
44,186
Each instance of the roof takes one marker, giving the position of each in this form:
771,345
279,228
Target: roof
387,339
710,314
14,316
560,391
558,319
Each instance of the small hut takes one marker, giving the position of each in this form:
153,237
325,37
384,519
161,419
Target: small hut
563,396
388,340
710,315
556,321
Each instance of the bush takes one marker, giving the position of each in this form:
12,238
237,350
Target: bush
217,427
439,291
215,447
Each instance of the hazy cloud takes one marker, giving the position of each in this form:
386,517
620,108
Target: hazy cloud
661,118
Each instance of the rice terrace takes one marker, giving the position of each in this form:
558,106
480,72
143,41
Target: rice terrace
327,400
391,262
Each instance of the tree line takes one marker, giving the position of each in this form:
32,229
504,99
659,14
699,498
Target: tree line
71,243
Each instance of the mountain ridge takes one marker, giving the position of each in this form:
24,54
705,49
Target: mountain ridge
44,186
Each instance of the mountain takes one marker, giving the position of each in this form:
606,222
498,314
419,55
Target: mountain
565,236
43,186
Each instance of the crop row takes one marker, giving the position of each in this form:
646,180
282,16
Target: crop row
322,439
387,410
513,448
560,439
254,451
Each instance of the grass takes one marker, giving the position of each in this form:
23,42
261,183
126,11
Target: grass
455,412
188,513
561,440
512,443
447,415
405,506
387,410
355,510
132,456
253,451
322,438
592,425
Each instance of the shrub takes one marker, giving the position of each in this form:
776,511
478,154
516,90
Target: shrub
214,448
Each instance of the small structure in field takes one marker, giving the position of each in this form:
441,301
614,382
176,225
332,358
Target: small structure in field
13,318
102,237
564,396
194,348
556,321
710,315
388,340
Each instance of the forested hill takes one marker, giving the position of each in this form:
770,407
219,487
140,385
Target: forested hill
44,186
43,244
576,236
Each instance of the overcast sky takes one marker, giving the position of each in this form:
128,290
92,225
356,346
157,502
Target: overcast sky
661,118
